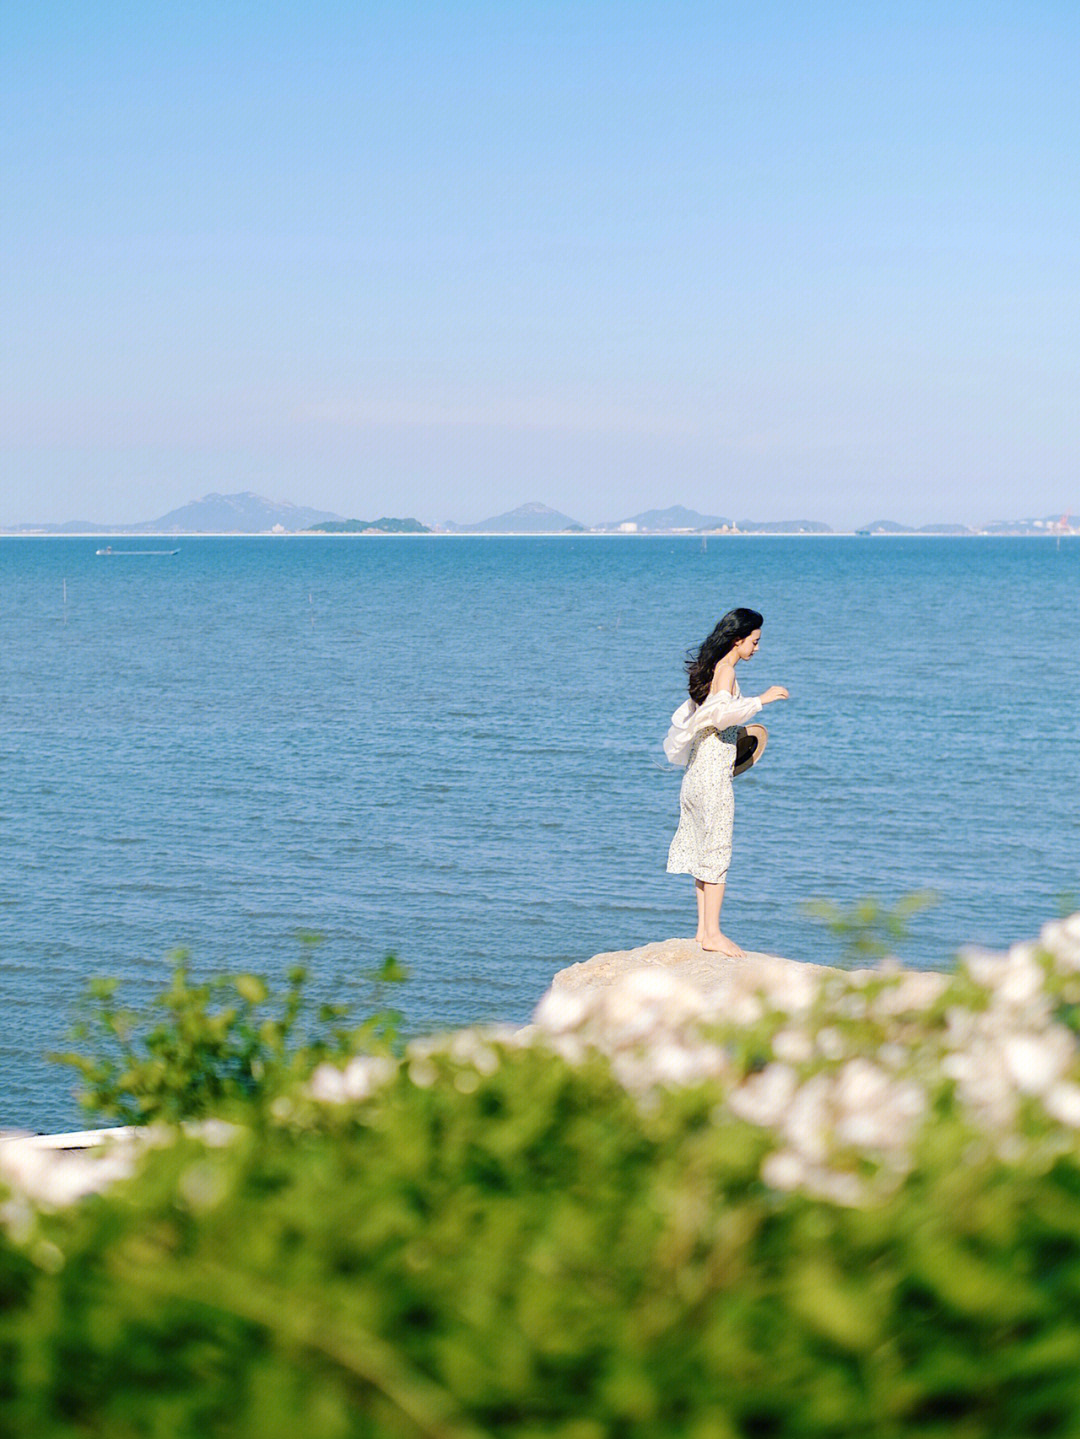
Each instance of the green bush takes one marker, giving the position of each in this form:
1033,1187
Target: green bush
537,1256
204,1047
503,1240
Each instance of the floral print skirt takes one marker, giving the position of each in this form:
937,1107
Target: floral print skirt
702,843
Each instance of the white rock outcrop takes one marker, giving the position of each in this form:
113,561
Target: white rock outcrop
715,975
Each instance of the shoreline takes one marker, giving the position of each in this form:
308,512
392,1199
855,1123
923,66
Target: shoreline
526,535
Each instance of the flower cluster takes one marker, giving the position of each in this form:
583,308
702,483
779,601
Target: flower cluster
40,1173
53,1171
845,1069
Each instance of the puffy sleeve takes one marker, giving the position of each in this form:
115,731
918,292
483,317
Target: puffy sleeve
719,711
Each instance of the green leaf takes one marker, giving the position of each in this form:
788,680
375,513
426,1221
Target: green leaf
251,987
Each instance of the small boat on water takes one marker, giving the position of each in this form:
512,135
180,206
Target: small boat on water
108,550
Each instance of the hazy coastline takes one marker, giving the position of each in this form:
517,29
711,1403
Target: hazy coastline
535,535
246,514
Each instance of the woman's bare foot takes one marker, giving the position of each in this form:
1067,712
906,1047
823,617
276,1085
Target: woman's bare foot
699,938
720,944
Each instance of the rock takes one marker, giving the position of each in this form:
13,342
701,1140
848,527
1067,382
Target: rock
717,976
839,1065
54,1170
684,958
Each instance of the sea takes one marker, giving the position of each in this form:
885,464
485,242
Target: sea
449,749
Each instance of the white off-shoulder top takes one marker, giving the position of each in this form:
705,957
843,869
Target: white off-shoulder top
719,711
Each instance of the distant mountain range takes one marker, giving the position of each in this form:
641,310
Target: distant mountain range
675,517
531,519
890,527
236,514
241,514
250,514
538,519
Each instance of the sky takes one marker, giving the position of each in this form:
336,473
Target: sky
439,259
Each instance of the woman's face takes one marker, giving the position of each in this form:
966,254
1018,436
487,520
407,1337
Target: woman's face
747,648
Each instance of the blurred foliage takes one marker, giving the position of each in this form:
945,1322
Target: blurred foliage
525,1251
497,1242
203,1046
869,929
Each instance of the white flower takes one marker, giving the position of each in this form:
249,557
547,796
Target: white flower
561,1010
851,1005
674,1065
913,991
794,1046
984,967
875,1112
1062,1102
806,1121
634,1072
893,1056
486,1060
796,989
837,1187
203,1185
861,1084
783,1170
960,1067
366,1073
502,1032
885,1121
985,1085
830,1043
627,1019
327,1085
1062,939
744,1008
959,1026
764,1098
463,1045
878,1114
570,1047
1021,977
647,1001
214,1133
1036,1061
423,1073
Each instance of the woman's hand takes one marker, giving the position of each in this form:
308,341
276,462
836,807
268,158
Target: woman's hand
774,692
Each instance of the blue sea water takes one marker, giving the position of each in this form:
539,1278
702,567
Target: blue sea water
450,748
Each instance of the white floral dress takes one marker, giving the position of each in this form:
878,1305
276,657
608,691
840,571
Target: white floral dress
703,737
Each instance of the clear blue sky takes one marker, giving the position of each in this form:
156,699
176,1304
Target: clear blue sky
437,259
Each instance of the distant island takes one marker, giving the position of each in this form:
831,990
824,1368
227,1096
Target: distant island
676,519
890,527
385,526
241,514
537,519
246,513
531,519
1047,525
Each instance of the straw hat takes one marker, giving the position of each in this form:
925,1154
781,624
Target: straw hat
750,746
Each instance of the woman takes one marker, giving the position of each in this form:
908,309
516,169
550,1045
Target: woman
703,737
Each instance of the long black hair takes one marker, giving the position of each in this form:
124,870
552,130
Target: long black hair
700,664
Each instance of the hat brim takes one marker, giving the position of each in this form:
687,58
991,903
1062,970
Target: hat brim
749,746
